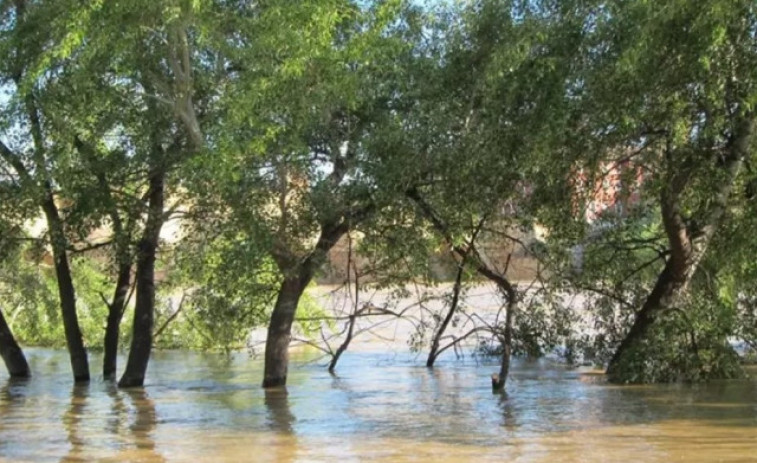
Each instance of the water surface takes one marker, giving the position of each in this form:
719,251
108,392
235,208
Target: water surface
381,407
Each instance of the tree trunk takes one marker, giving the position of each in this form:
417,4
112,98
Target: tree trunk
123,260
499,381
11,353
434,351
77,352
280,328
115,314
144,310
343,347
483,268
688,239
662,298
297,275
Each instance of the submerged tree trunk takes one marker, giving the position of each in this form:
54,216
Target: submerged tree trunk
499,381
663,297
144,310
280,328
11,352
688,238
115,313
351,268
74,341
117,305
484,269
345,344
435,343
297,276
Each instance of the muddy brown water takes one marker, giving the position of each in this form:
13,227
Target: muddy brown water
381,407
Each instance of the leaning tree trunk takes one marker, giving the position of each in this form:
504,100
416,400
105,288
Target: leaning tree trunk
688,239
144,310
433,353
115,314
666,293
484,269
280,328
11,352
74,341
297,276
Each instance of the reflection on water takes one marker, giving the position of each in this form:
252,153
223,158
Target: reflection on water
72,421
144,423
280,417
381,407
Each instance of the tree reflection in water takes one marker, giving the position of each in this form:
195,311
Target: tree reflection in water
72,419
130,420
280,421
12,400
280,417
145,421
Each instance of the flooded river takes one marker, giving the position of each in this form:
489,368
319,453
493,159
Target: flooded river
382,407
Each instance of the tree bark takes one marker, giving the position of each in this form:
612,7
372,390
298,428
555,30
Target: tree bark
66,292
297,275
11,352
144,310
499,381
280,328
434,351
662,298
115,314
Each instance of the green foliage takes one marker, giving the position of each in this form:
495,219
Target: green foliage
312,317
30,294
227,287
276,120
689,345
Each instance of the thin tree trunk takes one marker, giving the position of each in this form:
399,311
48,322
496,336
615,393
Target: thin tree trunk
115,313
77,352
11,352
144,310
343,347
499,381
117,305
351,267
434,352
484,269
76,349
280,328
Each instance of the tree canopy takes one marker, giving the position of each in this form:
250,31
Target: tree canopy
215,152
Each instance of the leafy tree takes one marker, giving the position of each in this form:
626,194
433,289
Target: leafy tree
667,87
490,114
29,150
297,142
